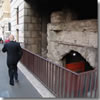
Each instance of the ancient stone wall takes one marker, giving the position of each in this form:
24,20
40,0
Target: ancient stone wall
66,32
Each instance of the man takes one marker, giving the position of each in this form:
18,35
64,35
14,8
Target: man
14,53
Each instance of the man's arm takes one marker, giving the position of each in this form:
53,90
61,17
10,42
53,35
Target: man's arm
20,51
4,49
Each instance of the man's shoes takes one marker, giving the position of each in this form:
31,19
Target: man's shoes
11,83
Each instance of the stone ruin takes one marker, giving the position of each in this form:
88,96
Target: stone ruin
66,33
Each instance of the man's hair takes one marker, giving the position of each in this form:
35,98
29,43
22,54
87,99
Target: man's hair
11,37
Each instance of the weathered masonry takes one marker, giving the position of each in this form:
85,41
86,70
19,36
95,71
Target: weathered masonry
53,28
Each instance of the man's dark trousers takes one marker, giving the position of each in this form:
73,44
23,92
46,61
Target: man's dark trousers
12,70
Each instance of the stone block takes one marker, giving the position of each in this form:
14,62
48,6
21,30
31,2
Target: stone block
18,2
25,27
93,40
36,13
52,36
82,25
26,41
36,20
30,12
21,34
13,28
21,13
30,40
27,19
36,33
55,27
37,27
26,5
28,47
14,19
30,27
33,27
21,27
25,12
27,34
21,20
52,50
35,49
13,12
69,26
21,6
88,39
92,56
37,41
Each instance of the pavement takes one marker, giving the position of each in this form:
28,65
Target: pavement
28,86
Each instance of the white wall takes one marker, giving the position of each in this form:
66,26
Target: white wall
14,26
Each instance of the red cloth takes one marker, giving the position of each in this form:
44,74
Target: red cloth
76,66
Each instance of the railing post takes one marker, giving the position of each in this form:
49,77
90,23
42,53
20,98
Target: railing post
77,86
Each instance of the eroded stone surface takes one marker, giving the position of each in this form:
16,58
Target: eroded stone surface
78,35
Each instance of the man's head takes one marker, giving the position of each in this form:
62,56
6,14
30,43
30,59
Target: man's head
11,37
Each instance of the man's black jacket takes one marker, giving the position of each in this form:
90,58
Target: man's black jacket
14,52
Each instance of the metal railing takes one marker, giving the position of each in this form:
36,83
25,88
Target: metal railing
62,82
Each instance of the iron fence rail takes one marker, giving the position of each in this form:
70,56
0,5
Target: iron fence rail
62,82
